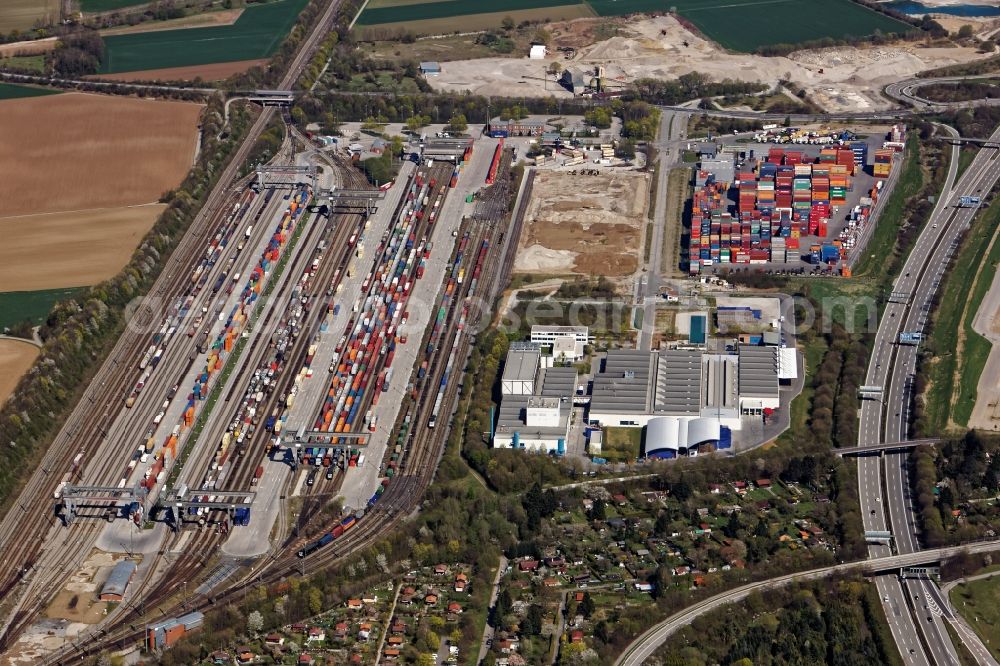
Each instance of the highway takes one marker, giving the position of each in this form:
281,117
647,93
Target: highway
905,93
892,367
647,644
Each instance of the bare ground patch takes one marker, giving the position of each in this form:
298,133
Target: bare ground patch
74,249
588,225
212,72
15,359
77,151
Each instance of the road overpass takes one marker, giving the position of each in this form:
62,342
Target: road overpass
648,643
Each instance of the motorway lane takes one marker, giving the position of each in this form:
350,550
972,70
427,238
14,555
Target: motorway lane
894,599
897,501
905,91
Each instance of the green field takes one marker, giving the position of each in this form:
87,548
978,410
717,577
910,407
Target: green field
744,25
12,91
741,25
449,8
256,34
36,62
107,5
16,306
979,602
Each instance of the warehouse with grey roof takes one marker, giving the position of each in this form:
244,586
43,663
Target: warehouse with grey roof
536,402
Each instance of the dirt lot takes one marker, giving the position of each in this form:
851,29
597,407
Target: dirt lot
33,47
74,249
15,359
23,14
851,78
591,225
212,72
75,151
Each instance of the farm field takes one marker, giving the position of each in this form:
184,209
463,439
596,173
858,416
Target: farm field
589,225
24,14
413,11
71,249
740,25
15,359
256,34
744,25
94,151
91,6
213,72
13,91
16,306
206,20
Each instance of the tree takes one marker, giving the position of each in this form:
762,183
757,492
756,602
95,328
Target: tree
532,623
299,116
255,622
555,68
315,600
965,31
507,23
598,511
542,36
424,659
415,123
458,123
586,607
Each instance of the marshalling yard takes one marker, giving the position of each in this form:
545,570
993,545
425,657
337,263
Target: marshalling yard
296,329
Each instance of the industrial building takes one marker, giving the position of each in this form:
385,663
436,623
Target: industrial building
116,585
537,52
536,402
576,80
566,342
758,379
166,633
687,398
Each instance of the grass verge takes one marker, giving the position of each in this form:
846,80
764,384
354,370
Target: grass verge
678,192
887,228
621,444
979,603
954,374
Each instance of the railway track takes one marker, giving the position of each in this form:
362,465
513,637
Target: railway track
423,453
23,532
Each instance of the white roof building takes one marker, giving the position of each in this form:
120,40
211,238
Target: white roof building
537,51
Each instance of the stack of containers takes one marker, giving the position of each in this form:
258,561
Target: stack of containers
860,150
765,195
801,196
845,158
748,192
776,155
778,249
883,162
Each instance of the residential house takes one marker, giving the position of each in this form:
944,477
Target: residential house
431,599
274,640
245,655
364,632
354,604
454,607
305,659
440,569
576,636
316,634
391,654
395,641
340,631
220,657
528,565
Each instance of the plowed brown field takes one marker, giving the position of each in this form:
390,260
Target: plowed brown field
15,359
72,249
213,72
75,151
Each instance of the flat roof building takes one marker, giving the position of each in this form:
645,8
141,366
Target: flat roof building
430,67
758,379
567,342
519,372
116,585
538,421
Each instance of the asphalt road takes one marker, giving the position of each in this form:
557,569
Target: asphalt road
893,367
647,644
906,92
